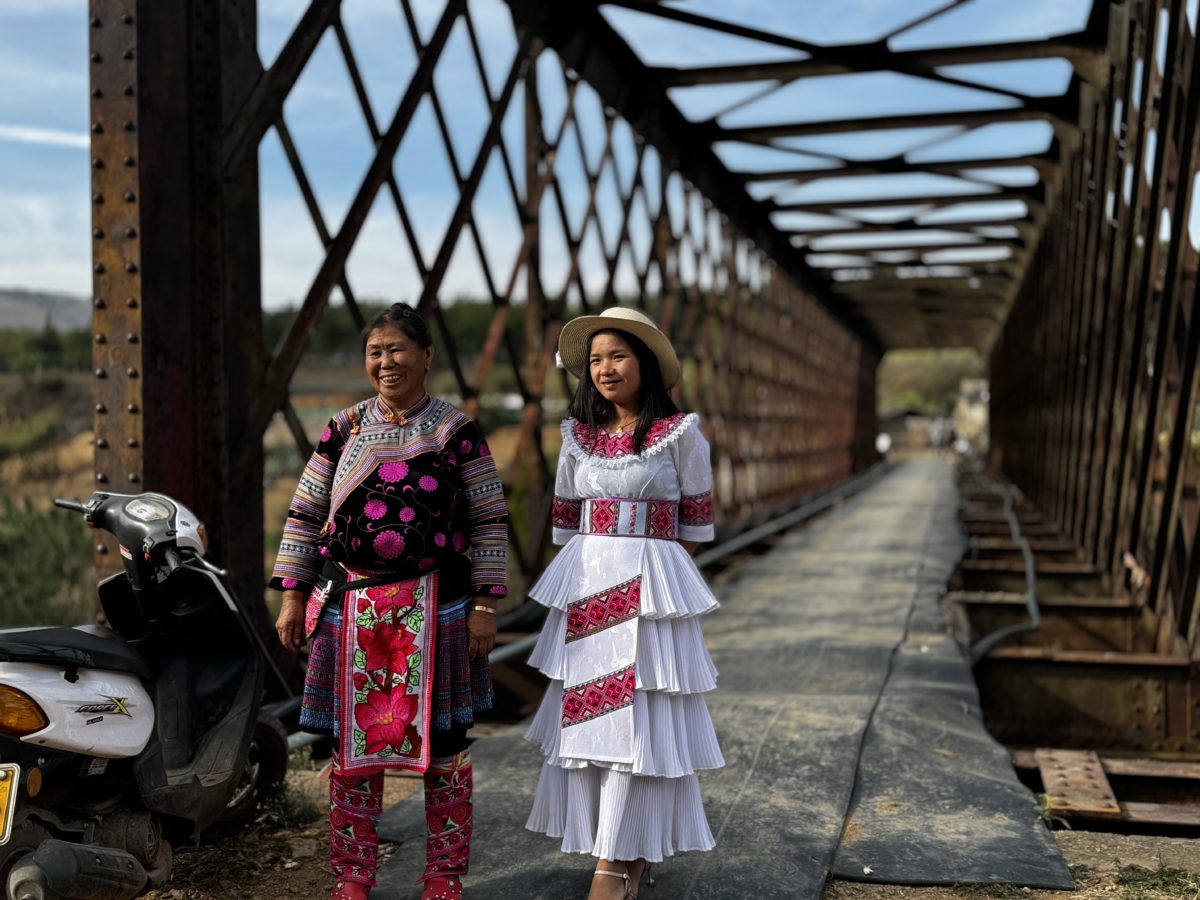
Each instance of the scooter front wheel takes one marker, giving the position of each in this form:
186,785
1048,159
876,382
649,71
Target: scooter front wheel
265,771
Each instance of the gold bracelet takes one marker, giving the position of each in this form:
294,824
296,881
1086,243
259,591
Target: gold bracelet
480,608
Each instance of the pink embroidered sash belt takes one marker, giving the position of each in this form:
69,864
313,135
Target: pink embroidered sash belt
630,518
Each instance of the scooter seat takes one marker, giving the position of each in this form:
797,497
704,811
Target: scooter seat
85,649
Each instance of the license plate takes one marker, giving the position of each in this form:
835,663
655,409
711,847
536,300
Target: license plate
10,779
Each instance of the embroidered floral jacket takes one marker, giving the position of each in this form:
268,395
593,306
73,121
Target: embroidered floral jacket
402,499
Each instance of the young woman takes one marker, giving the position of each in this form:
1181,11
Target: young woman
624,726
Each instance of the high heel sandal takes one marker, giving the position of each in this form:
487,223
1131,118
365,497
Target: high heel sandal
631,893
624,876
350,890
443,887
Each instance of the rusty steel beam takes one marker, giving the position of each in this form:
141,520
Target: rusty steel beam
1047,163
175,257
1085,51
1034,196
1061,112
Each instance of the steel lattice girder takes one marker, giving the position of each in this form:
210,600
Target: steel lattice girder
1094,376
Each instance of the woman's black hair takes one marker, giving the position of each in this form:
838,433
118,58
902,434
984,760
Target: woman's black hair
590,407
406,319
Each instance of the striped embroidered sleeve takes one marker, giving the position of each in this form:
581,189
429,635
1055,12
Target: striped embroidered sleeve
486,510
567,507
696,483
299,559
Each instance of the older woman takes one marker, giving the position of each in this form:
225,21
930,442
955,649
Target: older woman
393,560
624,726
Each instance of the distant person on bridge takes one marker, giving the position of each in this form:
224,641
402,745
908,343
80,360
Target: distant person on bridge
399,523
624,726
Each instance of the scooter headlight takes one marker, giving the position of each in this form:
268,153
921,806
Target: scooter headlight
19,714
146,510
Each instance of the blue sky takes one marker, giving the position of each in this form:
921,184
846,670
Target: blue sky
44,230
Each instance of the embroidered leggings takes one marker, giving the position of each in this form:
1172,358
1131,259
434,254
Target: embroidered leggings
356,801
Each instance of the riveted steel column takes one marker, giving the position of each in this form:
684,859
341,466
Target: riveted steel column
177,320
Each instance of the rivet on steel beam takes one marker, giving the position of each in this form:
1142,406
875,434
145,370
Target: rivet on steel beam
134,477
131,372
102,478
101,550
130,267
97,199
129,126
100,373
98,268
99,303
100,339
132,442
131,303
133,408
96,57
97,163
130,196
128,54
128,90
97,93
130,232
101,408
127,18
130,161
102,443
96,23
97,128
97,233
133,338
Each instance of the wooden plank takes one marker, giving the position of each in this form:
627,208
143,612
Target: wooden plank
1151,768
1089,657
1124,766
1161,814
1009,598
1043,568
1076,785
1037,544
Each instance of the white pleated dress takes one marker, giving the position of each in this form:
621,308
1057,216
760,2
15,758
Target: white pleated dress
623,725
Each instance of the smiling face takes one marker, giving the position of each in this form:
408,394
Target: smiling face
615,370
396,366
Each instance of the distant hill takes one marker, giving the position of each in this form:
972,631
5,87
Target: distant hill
24,310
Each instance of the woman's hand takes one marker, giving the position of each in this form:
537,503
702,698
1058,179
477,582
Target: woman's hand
290,624
481,628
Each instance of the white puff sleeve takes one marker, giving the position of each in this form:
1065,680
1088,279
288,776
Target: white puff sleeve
694,460
566,507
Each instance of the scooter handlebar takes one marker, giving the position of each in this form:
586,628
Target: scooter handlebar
75,505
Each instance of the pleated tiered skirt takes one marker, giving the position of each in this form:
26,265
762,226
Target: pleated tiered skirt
623,726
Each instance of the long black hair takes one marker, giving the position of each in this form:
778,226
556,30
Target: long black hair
404,318
590,407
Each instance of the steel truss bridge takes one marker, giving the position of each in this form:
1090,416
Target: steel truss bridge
1071,267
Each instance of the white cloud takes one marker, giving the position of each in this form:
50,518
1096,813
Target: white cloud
22,134
46,240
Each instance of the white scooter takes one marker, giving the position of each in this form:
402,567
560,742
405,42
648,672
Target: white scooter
112,742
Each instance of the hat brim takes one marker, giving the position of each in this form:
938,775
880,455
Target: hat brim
573,344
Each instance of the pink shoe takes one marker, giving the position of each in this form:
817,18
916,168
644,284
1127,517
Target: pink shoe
350,890
442,887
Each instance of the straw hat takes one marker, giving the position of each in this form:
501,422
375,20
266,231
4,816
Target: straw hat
573,340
